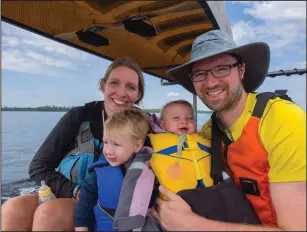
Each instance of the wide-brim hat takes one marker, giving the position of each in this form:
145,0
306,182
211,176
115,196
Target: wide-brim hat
256,57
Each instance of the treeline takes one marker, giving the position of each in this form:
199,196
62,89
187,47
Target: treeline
65,109
152,110
158,111
40,108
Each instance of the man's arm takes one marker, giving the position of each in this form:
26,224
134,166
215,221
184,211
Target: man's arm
290,208
289,200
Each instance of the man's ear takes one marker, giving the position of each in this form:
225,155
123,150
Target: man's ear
138,145
242,71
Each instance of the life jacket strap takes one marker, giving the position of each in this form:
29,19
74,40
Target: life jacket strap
263,98
216,159
98,146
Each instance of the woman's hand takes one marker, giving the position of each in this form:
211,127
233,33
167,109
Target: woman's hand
174,213
77,194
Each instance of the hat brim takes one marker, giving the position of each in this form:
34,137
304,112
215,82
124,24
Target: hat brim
256,57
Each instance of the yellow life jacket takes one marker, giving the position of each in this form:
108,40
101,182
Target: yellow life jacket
182,171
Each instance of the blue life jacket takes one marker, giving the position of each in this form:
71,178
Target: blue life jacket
109,183
88,144
86,151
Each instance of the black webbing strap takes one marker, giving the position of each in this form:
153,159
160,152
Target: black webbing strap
216,159
97,149
227,142
217,137
94,113
263,98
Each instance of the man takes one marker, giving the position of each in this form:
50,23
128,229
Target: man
267,152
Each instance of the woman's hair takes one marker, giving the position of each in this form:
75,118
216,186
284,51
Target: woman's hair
177,102
132,121
125,62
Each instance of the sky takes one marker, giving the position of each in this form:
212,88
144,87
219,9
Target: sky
38,72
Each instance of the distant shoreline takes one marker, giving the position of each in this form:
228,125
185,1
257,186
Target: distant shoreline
65,109
38,109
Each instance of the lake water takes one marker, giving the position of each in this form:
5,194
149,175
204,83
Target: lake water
22,135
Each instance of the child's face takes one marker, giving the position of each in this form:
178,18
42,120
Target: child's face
119,147
178,119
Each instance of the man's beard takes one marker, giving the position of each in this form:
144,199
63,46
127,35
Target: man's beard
227,103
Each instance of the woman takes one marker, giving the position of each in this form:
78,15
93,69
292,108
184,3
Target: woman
122,86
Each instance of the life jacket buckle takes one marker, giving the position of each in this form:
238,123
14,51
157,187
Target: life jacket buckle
217,179
249,186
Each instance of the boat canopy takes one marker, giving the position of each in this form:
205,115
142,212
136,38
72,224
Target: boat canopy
156,34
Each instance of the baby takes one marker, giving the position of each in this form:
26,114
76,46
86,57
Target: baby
181,157
180,160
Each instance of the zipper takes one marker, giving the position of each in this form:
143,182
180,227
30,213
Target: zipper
104,210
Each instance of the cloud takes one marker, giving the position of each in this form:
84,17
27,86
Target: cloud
280,24
16,60
278,10
10,41
34,63
301,64
49,60
28,52
241,2
33,40
288,65
173,94
54,47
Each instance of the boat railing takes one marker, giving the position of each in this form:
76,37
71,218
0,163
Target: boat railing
272,74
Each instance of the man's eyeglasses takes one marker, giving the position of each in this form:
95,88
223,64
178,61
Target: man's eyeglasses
217,72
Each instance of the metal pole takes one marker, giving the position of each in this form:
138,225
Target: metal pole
195,107
273,74
282,72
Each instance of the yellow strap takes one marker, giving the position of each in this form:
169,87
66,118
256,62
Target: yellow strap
192,147
197,170
180,146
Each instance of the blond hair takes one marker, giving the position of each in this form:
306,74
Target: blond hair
177,102
129,63
132,121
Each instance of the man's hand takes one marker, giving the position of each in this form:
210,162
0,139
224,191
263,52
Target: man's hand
289,201
174,213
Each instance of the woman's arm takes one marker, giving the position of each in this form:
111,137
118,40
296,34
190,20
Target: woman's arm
88,195
52,152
